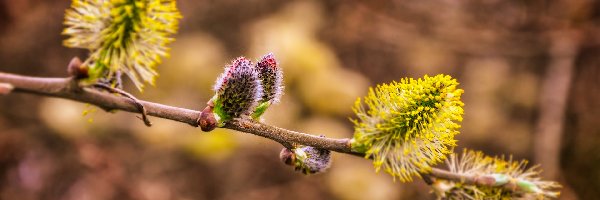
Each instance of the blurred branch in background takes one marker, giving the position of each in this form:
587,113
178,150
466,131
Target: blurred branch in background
556,83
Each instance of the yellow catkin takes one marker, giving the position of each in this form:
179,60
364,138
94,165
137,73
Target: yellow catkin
407,126
126,36
476,163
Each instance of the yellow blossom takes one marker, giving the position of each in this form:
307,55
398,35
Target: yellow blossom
527,181
408,126
124,36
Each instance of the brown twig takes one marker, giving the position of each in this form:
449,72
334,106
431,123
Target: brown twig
59,87
481,180
287,137
137,103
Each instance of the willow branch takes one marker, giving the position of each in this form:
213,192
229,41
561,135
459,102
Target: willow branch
63,88
472,179
286,136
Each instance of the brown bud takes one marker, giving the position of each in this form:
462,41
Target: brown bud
207,119
76,69
5,88
287,156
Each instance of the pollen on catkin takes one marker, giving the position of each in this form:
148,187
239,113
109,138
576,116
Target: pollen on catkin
527,181
271,77
237,91
124,36
407,126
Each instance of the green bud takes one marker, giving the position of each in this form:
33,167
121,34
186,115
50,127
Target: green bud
500,179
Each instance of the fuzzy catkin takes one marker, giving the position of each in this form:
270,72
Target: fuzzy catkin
271,77
474,163
124,36
238,90
408,126
311,160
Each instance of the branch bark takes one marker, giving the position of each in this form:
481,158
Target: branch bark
481,180
63,88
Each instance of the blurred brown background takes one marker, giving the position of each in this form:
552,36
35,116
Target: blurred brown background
530,71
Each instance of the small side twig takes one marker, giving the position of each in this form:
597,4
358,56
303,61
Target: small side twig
137,103
428,179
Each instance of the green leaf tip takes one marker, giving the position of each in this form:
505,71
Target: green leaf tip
260,110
